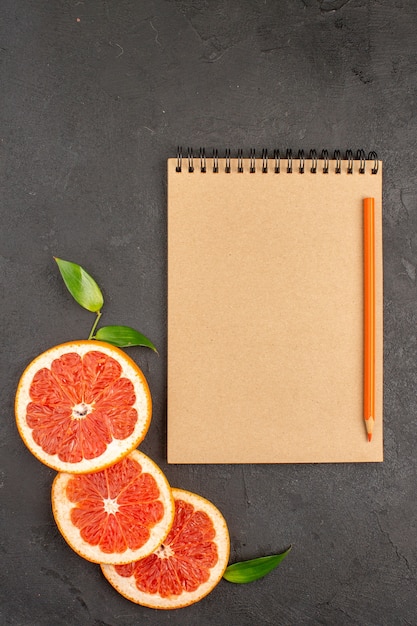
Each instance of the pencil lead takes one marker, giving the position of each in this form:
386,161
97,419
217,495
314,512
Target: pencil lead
369,436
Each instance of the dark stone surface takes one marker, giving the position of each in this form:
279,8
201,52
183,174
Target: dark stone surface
95,95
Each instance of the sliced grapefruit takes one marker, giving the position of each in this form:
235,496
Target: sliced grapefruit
186,566
117,515
82,406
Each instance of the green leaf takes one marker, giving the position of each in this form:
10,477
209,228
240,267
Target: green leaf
81,285
247,571
123,337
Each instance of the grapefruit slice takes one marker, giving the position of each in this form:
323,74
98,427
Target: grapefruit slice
186,566
82,406
117,515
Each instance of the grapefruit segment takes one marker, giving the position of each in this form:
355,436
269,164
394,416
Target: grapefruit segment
186,566
82,406
116,515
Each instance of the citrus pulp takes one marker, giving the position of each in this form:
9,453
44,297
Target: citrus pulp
82,406
117,515
186,566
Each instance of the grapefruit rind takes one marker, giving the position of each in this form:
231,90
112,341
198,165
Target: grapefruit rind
126,585
117,448
62,506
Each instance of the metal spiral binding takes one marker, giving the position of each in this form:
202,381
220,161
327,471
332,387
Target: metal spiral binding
374,156
289,161
349,157
227,168
313,159
179,160
325,157
264,161
360,156
215,161
277,161
203,161
240,161
252,166
338,158
301,161
190,160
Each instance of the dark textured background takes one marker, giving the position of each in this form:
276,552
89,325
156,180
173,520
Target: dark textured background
90,110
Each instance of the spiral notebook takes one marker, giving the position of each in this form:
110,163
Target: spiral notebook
265,307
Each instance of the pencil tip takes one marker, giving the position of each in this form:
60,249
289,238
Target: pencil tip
369,427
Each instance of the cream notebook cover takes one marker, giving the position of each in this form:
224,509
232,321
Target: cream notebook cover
265,311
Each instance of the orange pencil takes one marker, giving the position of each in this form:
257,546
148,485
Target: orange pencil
369,314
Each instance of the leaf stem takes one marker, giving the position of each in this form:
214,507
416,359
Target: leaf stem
91,335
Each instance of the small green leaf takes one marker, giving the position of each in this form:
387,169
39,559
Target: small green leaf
247,571
123,337
81,285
